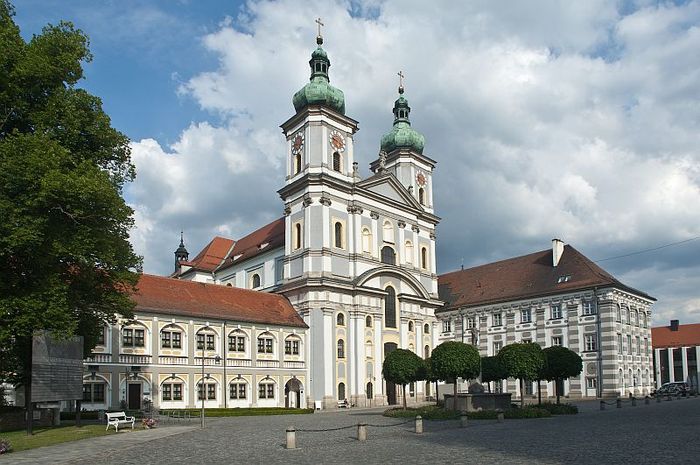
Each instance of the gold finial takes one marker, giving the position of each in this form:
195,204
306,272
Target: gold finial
401,76
319,38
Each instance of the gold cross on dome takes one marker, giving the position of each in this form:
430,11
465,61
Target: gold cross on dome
320,23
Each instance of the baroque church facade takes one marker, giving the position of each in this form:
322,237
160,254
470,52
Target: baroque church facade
355,257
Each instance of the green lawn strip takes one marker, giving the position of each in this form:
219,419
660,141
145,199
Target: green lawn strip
240,412
50,436
436,413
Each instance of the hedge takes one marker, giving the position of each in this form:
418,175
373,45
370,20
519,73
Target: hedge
430,412
559,409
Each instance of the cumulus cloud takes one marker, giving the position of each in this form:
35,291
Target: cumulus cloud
576,120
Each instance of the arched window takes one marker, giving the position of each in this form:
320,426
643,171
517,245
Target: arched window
390,308
336,162
424,258
266,344
426,328
410,326
341,391
341,348
297,236
238,389
366,240
297,163
255,281
338,234
171,389
426,352
291,345
369,349
388,232
369,390
134,336
236,341
421,196
171,337
340,319
368,321
409,252
388,255
266,389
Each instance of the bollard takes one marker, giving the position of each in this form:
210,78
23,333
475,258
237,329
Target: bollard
291,438
646,400
619,403
634,401
602,405
419,424
658,399
500,417
463,420
361,431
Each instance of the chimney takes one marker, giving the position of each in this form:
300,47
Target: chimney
557,251
674,325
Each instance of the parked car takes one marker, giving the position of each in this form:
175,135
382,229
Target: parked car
678,388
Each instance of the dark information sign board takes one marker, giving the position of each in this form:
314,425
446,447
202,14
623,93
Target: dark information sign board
57,368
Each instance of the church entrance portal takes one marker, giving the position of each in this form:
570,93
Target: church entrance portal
390,387
292,393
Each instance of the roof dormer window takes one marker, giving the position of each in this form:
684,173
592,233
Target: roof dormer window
564,279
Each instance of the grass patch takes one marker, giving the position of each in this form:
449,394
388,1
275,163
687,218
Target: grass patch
49,436
242,412
87,415
559,409
429,412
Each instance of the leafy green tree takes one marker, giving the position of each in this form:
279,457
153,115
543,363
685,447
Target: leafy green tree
522,361
68,265
430,376
492,370
560,363
401,367
454,359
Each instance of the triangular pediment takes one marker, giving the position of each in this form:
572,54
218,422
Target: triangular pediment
386,185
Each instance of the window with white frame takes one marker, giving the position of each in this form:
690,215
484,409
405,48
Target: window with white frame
590,343
410,326
171,338
266,389
171,391
236,341
94,391
471,322
446,326
338,235
620,348
133,337
366,240
592,383
525,315
588,308
556,341
254,282
341,348
556,311
497,346
100,339
408,251
291,346
424,258
629,344
618,316
388,232
638,346
426,328
266,344
209,388
206,339
497,319
368,321
237,390
340,319
297,240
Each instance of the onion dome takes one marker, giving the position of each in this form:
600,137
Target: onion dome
319,91
402,134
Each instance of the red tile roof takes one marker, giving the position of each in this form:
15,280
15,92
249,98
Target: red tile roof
523,277
270,236
686,336
170,296
212,255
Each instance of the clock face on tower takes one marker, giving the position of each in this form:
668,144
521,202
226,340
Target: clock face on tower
297,143
337,141
420,179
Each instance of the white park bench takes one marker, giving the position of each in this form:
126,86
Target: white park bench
343,404
118,418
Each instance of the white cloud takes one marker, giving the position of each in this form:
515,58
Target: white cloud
551,119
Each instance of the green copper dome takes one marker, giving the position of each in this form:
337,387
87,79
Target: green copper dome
319,91
402,134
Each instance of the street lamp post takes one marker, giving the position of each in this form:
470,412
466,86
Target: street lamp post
203,391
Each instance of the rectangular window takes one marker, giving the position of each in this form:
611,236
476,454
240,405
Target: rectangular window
261,345
211,391
471,322
556,340
210,342
270,391
200,341
497,319
128,337
556,311
177,340
590,342
101,337
236,343
629,344
98,392
588,308
261,391
496,347
87,392
288,347
167,392
165,340
592,383
266,391
268,346
447,326
528,387
139,338
620,349
177,391
526,316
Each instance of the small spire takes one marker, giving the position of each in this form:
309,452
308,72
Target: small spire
319,37
401,76
182,238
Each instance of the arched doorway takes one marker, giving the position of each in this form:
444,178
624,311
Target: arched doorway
292,394
390,387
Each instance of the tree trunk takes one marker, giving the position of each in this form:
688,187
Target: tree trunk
522,393
28,404
454,400
437,397
556,388
403,387
539,392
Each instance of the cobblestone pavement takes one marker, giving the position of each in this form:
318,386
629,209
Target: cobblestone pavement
667,432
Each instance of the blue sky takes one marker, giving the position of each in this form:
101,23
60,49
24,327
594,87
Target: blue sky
577,120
